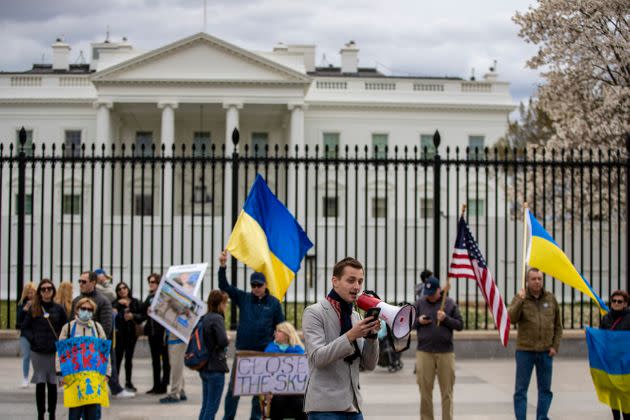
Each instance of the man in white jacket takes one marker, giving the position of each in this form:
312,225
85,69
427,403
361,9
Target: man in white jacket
334,335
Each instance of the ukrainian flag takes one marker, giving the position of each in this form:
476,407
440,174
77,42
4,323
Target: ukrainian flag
545,254
268,239
609,360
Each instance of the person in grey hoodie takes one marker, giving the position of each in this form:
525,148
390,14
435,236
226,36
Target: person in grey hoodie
435,355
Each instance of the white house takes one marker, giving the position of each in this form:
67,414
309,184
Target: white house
195,91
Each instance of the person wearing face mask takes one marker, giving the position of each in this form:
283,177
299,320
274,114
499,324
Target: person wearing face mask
259,313
83,326
41,326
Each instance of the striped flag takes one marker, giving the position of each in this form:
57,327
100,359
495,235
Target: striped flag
468,263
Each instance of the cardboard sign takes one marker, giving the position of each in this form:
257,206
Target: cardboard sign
83,362
277,373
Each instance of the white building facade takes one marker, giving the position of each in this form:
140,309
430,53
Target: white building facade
196,91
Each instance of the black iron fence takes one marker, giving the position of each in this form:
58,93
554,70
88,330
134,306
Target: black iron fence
134,211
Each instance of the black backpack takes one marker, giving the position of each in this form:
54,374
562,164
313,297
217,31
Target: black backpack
197,353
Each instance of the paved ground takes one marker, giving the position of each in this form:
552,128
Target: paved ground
483,391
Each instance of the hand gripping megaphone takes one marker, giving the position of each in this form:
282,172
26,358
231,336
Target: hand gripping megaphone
399,318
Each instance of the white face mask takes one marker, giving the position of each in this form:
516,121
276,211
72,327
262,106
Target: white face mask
84,315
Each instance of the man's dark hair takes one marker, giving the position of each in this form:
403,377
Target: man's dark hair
341,265
425,275
531,269
92,276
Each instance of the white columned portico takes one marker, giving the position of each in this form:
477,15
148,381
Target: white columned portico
231,122
168,140
103,143
103,122
296,138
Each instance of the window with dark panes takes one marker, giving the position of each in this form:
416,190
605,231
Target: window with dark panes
72,143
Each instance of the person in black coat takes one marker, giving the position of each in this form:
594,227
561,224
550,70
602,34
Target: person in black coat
216,341
617,319
41,326
128,313
155,333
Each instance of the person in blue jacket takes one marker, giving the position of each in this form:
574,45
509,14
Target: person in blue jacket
285,340
259,313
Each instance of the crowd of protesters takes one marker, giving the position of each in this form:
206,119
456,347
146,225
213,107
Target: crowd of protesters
46,314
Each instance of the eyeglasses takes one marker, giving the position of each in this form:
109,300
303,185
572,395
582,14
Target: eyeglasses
613,301
82,281
83,308
46,289
256,285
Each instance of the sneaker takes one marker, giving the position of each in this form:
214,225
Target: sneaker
25,383
124,394
169,400
183,397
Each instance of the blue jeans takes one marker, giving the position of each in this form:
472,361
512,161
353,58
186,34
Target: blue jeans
25,351
231,402
211,391
525,362
334,415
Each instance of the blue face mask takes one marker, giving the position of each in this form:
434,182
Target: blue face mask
84,315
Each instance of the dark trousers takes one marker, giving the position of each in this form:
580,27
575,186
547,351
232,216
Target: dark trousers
231,402
617,415
526,361
114,385
85,412
125,346
40,399
287,406
159,362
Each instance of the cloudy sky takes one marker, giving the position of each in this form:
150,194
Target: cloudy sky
401,37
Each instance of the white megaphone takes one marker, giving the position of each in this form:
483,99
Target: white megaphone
399,318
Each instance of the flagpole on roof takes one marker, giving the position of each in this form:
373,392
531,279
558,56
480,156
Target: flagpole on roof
448,278
524,242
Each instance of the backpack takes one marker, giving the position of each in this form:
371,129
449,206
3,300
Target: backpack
197,353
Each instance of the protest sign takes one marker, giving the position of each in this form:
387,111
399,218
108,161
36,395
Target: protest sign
277,373
189,277
83,362
175,309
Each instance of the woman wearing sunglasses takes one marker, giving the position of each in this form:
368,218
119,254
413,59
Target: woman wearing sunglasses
83,326
155,333
41,327
618,319
128,314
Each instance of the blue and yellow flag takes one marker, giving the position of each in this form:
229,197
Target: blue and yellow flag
545,254
609,360
83,362
268,239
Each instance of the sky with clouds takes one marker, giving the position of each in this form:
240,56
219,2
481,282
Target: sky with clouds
399,37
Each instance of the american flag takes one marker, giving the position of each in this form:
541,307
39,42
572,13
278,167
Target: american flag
468,263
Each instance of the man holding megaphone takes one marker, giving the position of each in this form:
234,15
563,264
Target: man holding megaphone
437,317
337,344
